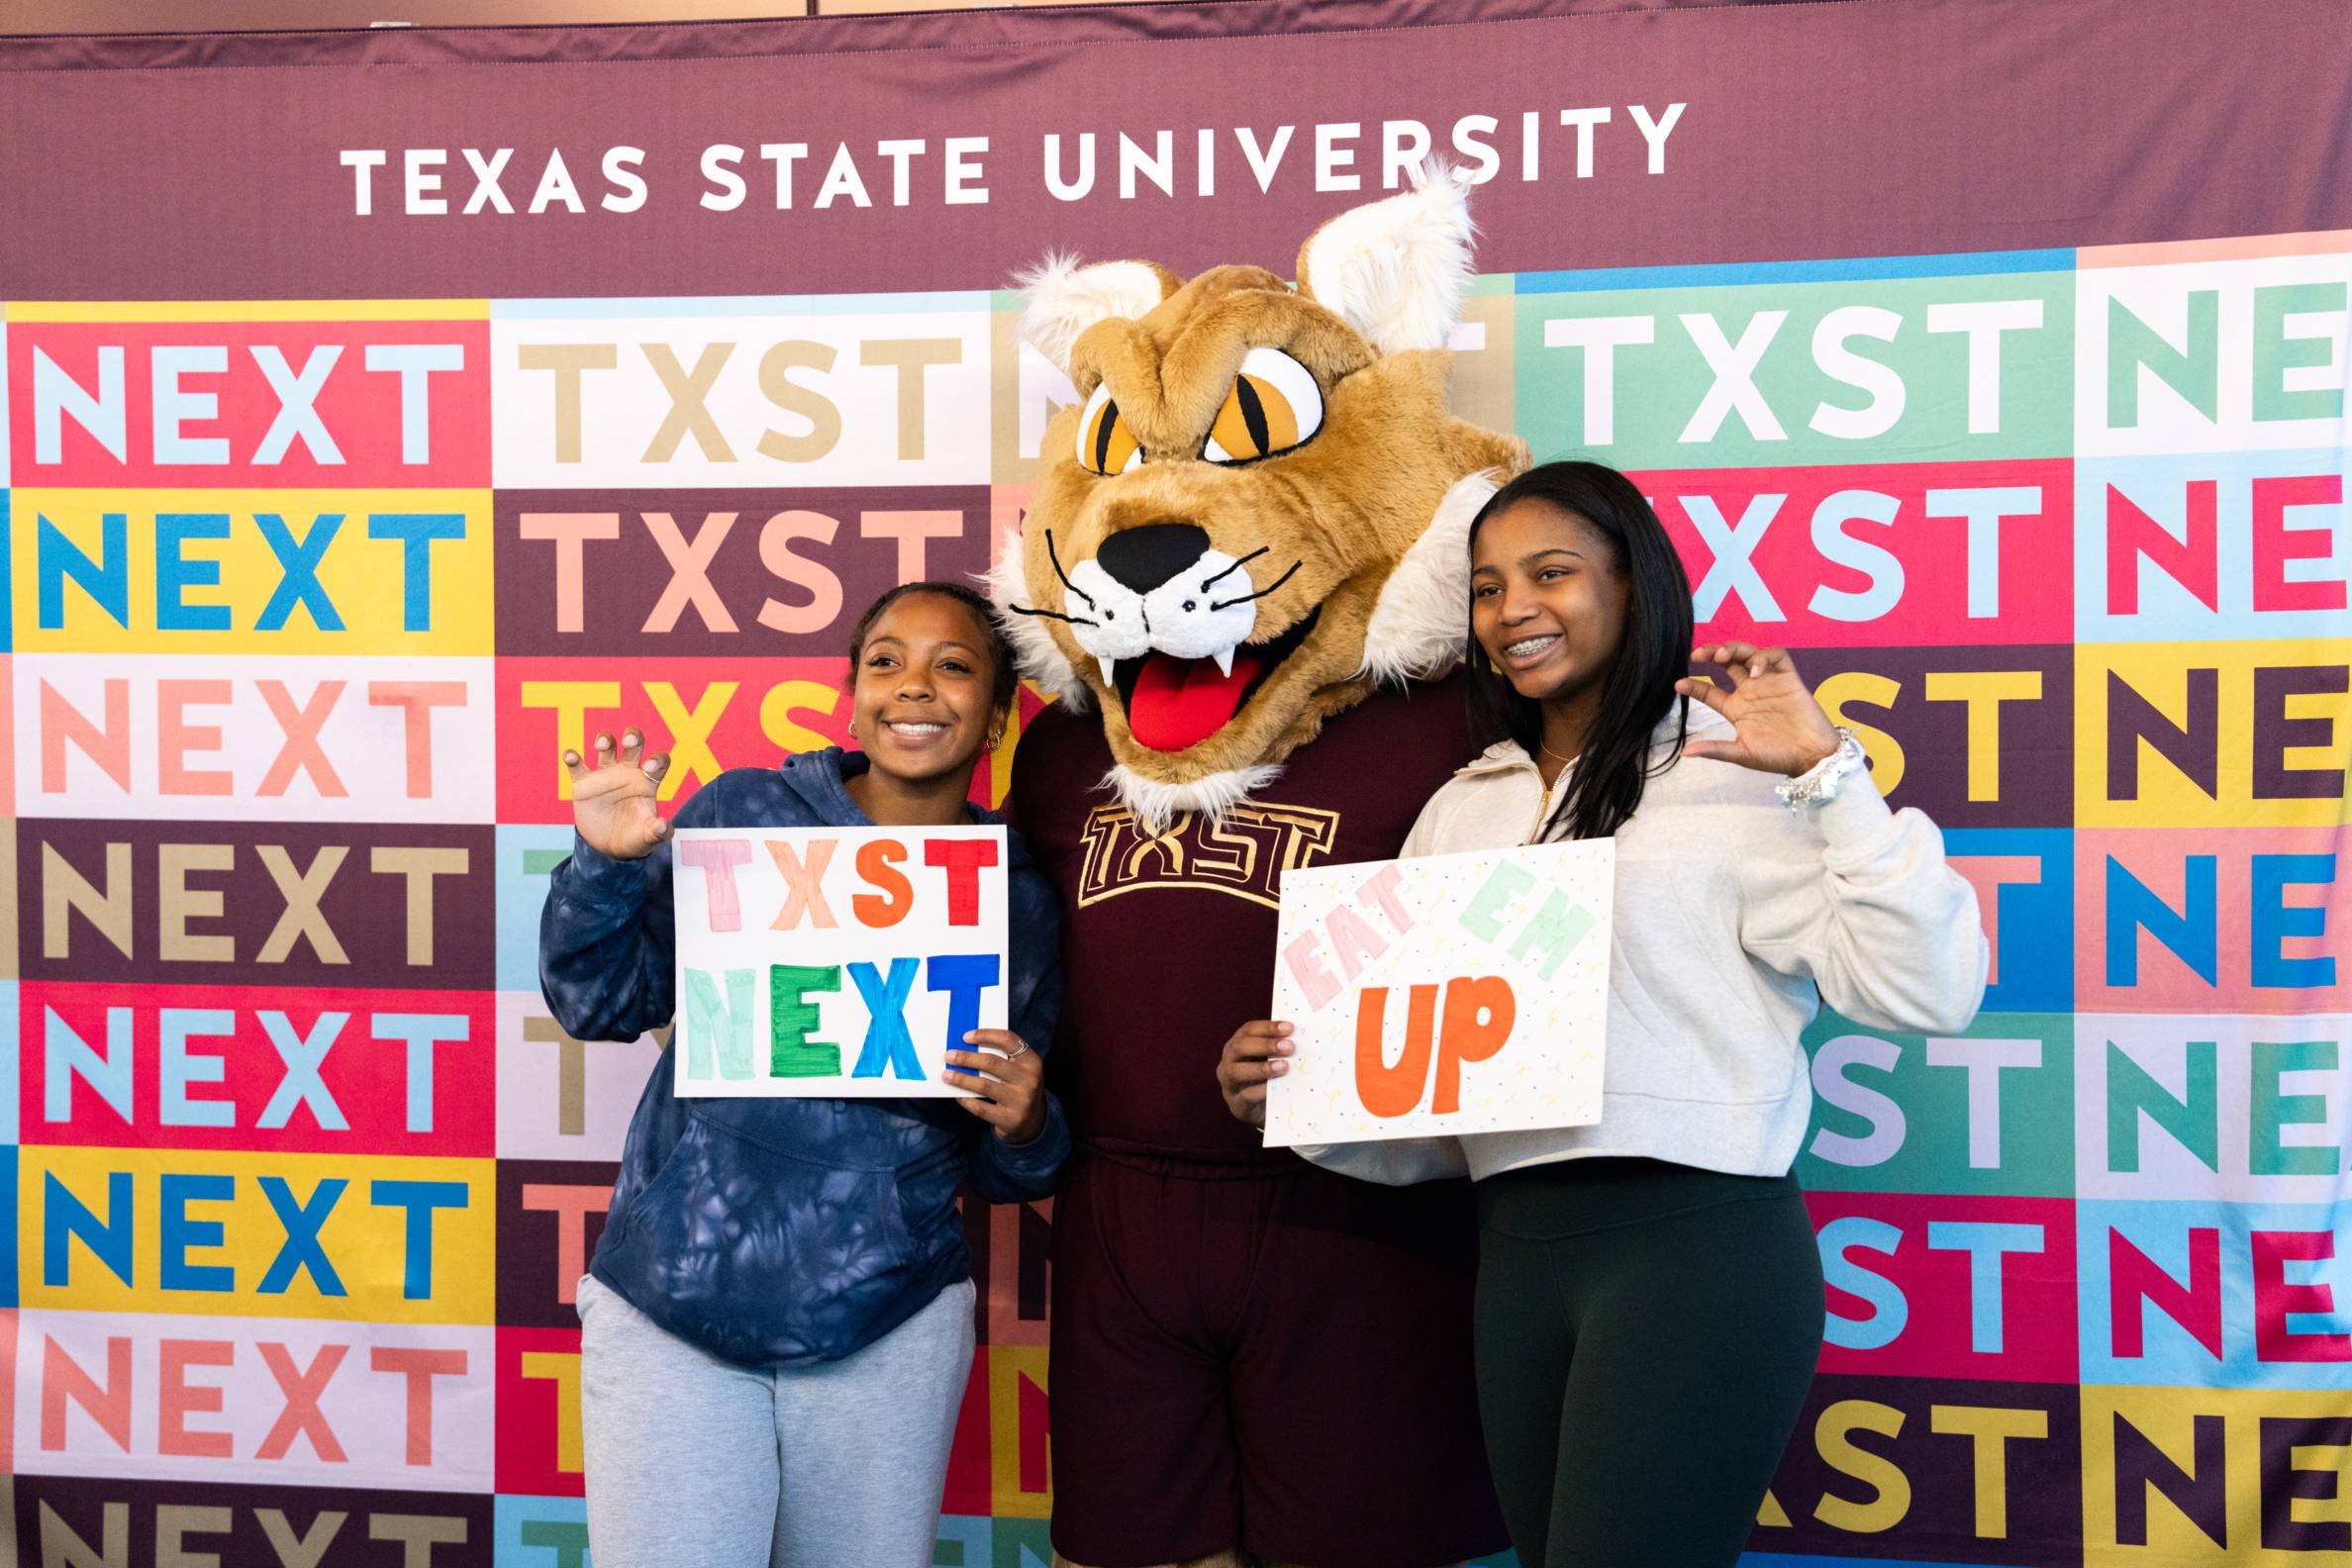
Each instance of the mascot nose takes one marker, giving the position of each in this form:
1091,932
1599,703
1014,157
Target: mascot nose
1140,560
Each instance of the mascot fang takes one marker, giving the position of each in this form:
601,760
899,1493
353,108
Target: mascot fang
1257,511
1244,539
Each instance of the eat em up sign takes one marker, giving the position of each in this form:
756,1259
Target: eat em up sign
1447,994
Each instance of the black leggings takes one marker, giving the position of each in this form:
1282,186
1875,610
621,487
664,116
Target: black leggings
1645,1336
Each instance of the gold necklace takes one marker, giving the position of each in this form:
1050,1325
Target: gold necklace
1543,803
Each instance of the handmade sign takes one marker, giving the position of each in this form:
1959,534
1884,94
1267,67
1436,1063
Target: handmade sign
1446,993
824,961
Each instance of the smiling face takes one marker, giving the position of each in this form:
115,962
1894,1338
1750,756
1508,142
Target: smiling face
1547,601
1213,524
924,699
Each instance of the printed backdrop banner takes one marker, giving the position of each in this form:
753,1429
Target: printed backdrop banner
387,411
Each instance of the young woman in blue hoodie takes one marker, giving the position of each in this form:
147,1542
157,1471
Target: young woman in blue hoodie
777,1324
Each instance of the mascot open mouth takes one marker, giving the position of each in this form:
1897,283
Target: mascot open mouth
1174,703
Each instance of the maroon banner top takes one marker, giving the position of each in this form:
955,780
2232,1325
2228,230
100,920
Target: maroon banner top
782,156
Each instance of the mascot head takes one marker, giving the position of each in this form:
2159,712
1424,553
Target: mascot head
1257,508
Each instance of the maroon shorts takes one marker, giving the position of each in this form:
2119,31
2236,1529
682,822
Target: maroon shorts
1271,1359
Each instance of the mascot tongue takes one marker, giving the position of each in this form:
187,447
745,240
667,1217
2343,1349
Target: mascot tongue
1179,703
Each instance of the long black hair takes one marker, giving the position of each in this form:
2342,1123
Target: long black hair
1605,785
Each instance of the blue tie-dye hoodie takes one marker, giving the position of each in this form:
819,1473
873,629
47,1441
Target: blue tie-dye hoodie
776,1233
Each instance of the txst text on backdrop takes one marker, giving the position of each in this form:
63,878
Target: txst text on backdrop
456,394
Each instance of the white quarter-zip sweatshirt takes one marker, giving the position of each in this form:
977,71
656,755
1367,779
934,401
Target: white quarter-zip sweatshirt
1735,916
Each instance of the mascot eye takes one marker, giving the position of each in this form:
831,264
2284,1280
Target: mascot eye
1275,405
1105,444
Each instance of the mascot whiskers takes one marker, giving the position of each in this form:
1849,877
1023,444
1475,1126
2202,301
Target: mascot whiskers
1243,574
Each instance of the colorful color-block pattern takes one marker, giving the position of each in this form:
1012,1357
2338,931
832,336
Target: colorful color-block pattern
305,597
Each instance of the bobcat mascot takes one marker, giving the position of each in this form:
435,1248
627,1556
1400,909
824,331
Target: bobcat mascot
1244,545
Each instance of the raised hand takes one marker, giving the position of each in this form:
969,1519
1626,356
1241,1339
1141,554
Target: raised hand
1777,726
614,799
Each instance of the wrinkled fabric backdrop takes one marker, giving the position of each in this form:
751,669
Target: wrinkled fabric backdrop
386,411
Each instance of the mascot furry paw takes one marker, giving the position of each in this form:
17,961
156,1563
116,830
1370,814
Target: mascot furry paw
1245,542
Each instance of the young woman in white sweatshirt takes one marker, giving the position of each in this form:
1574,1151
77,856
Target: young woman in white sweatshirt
1649,1295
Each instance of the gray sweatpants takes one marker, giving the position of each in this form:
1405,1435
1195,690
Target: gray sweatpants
694,1462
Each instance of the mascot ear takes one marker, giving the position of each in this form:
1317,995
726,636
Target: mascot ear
1418,622
1395,269
1061,299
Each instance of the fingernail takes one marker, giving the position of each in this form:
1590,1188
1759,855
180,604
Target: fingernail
1286,1048
1278,1069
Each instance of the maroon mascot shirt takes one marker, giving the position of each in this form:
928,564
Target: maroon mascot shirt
1139,1042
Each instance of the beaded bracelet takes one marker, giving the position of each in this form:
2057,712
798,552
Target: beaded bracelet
1817,785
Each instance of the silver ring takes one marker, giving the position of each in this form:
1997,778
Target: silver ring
1023,1051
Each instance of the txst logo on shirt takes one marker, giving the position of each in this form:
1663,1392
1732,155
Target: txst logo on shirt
1244,853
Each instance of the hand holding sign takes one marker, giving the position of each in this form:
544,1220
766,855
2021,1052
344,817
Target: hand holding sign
1253,1059
1010,1075
1449,994
614,801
